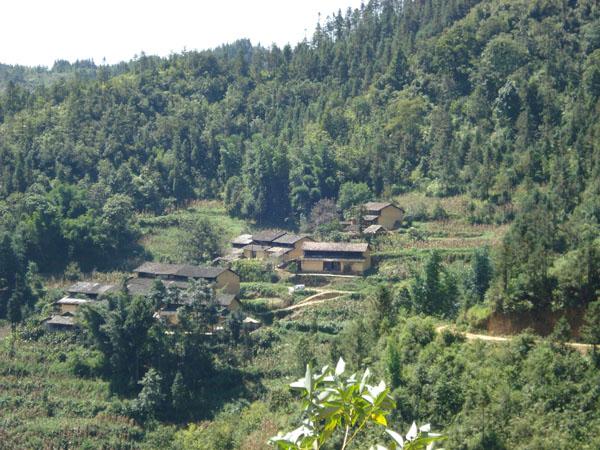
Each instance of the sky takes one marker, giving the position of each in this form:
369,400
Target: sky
39,32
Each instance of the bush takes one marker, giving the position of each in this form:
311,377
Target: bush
254,270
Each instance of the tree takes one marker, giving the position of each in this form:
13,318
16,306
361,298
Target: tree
201,240
151,398
179,395
590,331
323,212
352,194
332,403
15,305
481,274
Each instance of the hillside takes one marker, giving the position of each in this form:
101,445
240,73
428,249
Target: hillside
479,118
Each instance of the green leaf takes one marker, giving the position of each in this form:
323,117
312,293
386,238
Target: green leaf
340,367
308,380
379,418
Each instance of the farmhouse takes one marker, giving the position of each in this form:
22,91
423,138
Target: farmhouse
226,304
78,294
386,214
60,322
335,258
91,290
221,279
277,246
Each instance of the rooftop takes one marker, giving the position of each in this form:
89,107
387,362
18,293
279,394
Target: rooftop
182,270
373,229
370,217
66,320
72,301
378,206
91,288
267,235
242,239
335,247
289,239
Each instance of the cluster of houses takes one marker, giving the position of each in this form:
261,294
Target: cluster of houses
276,246
225,282
334,258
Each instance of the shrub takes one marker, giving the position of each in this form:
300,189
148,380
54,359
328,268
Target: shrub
332,403
253,270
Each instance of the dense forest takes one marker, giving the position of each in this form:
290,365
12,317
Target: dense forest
493,101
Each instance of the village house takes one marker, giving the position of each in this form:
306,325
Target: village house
226,303
221,279
386,214
335,258
78,294
276,246
90,289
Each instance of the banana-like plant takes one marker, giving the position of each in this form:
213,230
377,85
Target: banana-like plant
332,402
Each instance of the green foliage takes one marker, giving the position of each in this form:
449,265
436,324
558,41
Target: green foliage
352,194
201,240
333,405
434,291
254,270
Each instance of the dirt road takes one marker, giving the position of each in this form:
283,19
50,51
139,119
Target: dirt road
582,348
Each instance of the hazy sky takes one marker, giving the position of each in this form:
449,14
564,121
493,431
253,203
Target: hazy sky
38,32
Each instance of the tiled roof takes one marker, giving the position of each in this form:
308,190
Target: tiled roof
90,288
373,229
289,239
183,270
267,235
72,301
335,247
242,239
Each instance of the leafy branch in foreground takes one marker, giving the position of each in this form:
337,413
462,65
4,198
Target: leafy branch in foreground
332,403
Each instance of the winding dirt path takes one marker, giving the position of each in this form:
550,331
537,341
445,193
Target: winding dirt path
320,297
582,348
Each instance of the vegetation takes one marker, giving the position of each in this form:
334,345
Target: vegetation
478,117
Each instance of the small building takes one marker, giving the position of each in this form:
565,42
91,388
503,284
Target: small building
252,251
91,290
335,258
293,242
373,230
385,214
266,237
241,241
221,279
226,303
70,305
60,322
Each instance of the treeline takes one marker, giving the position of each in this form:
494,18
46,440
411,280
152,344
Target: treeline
494,99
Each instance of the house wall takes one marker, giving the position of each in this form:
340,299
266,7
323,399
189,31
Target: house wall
296,252
347,267
261,254
68,308
312,265
228,282
389,217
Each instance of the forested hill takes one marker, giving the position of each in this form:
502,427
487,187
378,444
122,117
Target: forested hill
497,99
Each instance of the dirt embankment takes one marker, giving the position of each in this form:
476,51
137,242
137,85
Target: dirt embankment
541,322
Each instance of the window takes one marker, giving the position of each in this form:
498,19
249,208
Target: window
332,266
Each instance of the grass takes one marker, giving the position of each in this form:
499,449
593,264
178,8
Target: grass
161,234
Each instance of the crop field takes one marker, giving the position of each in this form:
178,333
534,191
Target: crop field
43,404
